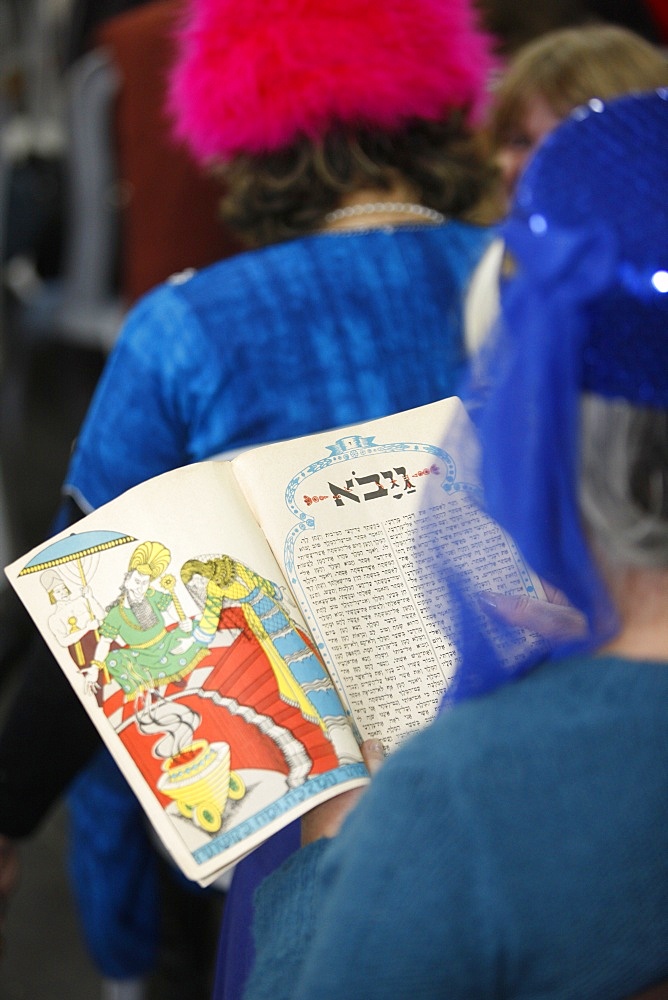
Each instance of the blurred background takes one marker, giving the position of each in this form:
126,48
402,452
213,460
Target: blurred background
46,379
87,199
96,207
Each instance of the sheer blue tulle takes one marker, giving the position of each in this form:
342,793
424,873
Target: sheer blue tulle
586,310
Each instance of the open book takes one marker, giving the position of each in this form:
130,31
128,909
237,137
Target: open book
234,629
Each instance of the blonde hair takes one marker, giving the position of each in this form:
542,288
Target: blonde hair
570,66
220,569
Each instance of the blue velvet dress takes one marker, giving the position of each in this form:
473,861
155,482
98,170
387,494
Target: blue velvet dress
283,341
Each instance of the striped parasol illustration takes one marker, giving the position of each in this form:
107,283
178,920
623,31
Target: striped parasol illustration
75,548
79,549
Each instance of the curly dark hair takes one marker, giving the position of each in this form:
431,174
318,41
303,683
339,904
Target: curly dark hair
273,197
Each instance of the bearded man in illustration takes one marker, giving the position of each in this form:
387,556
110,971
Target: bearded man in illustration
150,654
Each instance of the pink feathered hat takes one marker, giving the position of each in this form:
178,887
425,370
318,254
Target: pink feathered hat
251,76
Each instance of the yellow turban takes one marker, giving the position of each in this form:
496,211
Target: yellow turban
150,558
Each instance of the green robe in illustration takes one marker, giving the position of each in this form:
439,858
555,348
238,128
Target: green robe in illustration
150,657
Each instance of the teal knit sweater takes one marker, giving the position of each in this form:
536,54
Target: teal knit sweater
518,848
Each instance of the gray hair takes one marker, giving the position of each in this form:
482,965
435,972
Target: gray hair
624,481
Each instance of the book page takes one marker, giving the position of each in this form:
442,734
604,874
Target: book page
171,618
363,516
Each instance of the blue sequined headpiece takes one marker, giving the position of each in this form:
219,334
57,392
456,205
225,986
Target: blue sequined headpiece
585,310
589,229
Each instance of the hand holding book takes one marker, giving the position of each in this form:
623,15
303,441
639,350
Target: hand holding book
555,620
326,819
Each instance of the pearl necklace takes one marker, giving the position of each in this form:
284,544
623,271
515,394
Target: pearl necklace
386,208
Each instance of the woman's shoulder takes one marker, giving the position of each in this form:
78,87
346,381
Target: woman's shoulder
303,256
590,692
225,281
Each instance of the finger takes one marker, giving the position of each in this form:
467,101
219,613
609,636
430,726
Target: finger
326,819
504,607
554,622
373,753
553,595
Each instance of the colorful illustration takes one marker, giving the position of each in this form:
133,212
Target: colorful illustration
210,702
292,659
76,614
64,568
149,654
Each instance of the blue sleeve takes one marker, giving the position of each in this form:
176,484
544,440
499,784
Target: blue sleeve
286,914
145,411
394,906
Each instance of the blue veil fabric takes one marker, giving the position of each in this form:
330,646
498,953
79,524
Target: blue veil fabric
585,311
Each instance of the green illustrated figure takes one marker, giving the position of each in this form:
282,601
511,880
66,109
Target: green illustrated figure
150,655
